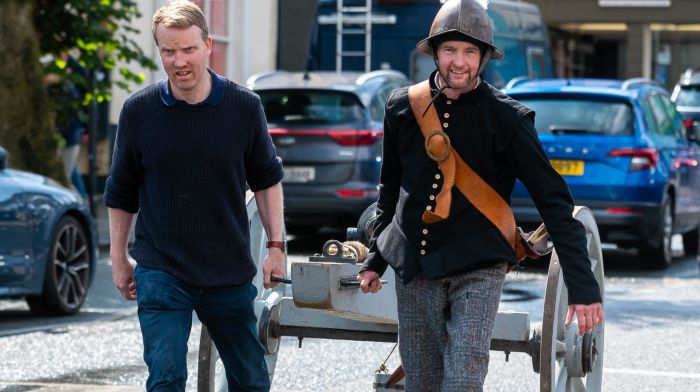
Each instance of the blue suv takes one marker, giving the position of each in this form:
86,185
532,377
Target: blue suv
623,150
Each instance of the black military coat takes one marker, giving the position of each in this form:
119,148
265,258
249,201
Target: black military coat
495,135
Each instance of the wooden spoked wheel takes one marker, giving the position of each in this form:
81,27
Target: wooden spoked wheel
569,362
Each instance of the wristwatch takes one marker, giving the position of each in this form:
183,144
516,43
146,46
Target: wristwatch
282,245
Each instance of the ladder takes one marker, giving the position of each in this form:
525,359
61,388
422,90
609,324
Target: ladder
353,16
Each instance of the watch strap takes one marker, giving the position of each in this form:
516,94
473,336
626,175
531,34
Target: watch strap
282,245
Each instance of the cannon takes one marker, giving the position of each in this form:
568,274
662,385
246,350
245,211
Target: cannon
327,303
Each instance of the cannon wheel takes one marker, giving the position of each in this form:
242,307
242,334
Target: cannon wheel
210,371
567,362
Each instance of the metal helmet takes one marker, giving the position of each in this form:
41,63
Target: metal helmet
463,16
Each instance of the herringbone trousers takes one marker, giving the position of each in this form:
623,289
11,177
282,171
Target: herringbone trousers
445,328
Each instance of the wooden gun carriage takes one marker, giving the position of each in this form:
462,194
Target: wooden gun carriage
326,302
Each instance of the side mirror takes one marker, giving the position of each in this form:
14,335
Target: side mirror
3,158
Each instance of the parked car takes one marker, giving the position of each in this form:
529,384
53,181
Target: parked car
686,97
48,243
327,128
622,148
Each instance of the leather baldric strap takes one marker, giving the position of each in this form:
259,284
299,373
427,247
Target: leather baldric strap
457,172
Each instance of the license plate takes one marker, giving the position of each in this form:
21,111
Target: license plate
568,168
299,174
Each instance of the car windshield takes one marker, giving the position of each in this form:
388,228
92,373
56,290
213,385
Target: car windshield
689,96
579,115
310,107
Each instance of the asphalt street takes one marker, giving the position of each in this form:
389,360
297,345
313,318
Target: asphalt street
650,340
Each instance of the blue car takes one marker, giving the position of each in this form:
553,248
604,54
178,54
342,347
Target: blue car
623,150
48,242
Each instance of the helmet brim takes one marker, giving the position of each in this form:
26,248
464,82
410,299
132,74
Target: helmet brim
424,47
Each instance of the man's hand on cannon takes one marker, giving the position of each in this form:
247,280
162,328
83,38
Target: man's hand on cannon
369,281
273,265
588,316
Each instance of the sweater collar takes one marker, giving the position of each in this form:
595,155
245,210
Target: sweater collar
215,95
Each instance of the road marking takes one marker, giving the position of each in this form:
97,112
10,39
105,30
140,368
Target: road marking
50,387
652,373
65,323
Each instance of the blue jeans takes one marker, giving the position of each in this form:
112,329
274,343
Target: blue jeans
165,306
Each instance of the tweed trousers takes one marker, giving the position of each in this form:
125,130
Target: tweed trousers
445,328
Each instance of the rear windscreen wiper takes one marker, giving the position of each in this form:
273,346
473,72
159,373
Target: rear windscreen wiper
564,129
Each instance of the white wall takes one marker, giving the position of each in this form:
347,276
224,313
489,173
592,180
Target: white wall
145,41
253,45
254,25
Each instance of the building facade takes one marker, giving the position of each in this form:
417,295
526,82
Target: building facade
244,34
656,39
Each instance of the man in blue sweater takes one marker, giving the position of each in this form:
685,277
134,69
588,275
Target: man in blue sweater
185,149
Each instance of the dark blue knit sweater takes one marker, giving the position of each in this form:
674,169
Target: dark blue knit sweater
184,169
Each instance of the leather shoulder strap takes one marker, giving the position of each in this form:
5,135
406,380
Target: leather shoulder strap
419,97
474,188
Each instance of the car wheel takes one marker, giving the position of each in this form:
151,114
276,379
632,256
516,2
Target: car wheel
691,242
67,273
659,255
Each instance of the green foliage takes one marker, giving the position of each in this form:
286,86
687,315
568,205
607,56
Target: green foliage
97,33
26,113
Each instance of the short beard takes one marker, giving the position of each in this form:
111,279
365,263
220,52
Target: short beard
440,79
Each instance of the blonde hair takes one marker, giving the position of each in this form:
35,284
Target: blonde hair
180,14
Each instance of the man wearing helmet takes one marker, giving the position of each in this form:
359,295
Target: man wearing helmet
450,259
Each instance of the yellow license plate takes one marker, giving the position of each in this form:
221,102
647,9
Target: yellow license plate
568,168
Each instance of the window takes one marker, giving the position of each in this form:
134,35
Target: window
571,115
379,101
677,128
535,63
216,14
421,65
310,107
649,116
689,96
663,122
